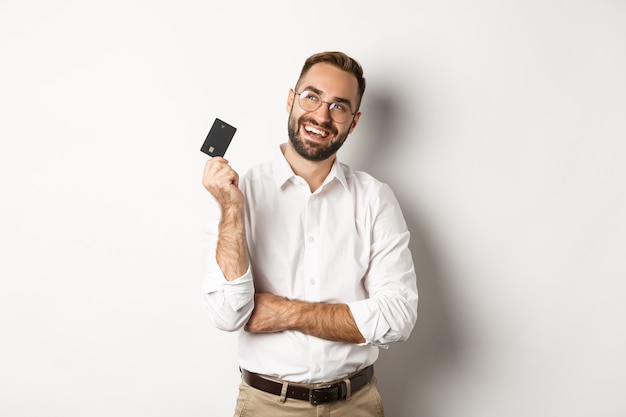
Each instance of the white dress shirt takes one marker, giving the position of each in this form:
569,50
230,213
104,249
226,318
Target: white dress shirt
347,242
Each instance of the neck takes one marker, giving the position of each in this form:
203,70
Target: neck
313,172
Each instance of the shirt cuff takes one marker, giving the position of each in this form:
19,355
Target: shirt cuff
237,293
369,320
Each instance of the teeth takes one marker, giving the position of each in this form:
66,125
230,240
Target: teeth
317,132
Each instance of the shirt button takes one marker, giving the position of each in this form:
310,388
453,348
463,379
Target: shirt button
317,369
312,282
311,239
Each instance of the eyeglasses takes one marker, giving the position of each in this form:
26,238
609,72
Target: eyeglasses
310,101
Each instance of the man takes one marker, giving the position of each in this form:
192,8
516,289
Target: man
310,260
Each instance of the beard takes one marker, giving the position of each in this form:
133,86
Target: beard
314,151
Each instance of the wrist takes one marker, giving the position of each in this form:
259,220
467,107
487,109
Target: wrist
233,214
232,207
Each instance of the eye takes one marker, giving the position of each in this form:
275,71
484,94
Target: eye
310,96
338,107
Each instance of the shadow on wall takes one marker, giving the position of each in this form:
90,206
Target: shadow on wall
405,370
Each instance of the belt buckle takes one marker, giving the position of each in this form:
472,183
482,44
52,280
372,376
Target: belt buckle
323,394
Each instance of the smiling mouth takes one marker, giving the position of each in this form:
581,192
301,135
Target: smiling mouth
315,133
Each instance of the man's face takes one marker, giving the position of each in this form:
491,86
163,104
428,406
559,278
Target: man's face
314,134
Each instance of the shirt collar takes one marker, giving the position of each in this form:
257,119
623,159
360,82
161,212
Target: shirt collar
283,172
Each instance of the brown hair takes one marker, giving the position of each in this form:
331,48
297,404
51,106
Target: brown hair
342,61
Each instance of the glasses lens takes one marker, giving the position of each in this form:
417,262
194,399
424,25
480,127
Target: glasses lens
309,101
340,112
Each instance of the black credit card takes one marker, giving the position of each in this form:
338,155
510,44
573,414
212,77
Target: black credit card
218,139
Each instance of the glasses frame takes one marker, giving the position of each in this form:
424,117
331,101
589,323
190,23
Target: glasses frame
330,105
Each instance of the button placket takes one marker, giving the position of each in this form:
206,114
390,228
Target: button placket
312,259
312,249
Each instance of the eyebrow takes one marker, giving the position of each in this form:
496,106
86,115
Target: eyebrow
335,99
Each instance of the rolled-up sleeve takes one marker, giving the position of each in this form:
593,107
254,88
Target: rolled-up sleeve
389,313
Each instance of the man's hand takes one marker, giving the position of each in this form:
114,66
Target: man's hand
222,182
327,321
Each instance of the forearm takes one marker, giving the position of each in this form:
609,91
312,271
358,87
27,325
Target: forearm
232,249
326,321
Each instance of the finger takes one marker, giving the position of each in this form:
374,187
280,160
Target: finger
215,168
216,161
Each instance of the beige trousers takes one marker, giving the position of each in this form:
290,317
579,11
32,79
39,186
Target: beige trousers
252,402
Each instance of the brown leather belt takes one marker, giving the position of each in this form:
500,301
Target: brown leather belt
316,395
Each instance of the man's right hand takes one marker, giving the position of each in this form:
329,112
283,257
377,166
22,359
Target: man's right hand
222,182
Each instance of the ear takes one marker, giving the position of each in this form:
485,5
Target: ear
354,122
290,97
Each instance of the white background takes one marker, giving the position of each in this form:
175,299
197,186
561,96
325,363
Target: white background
500,125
